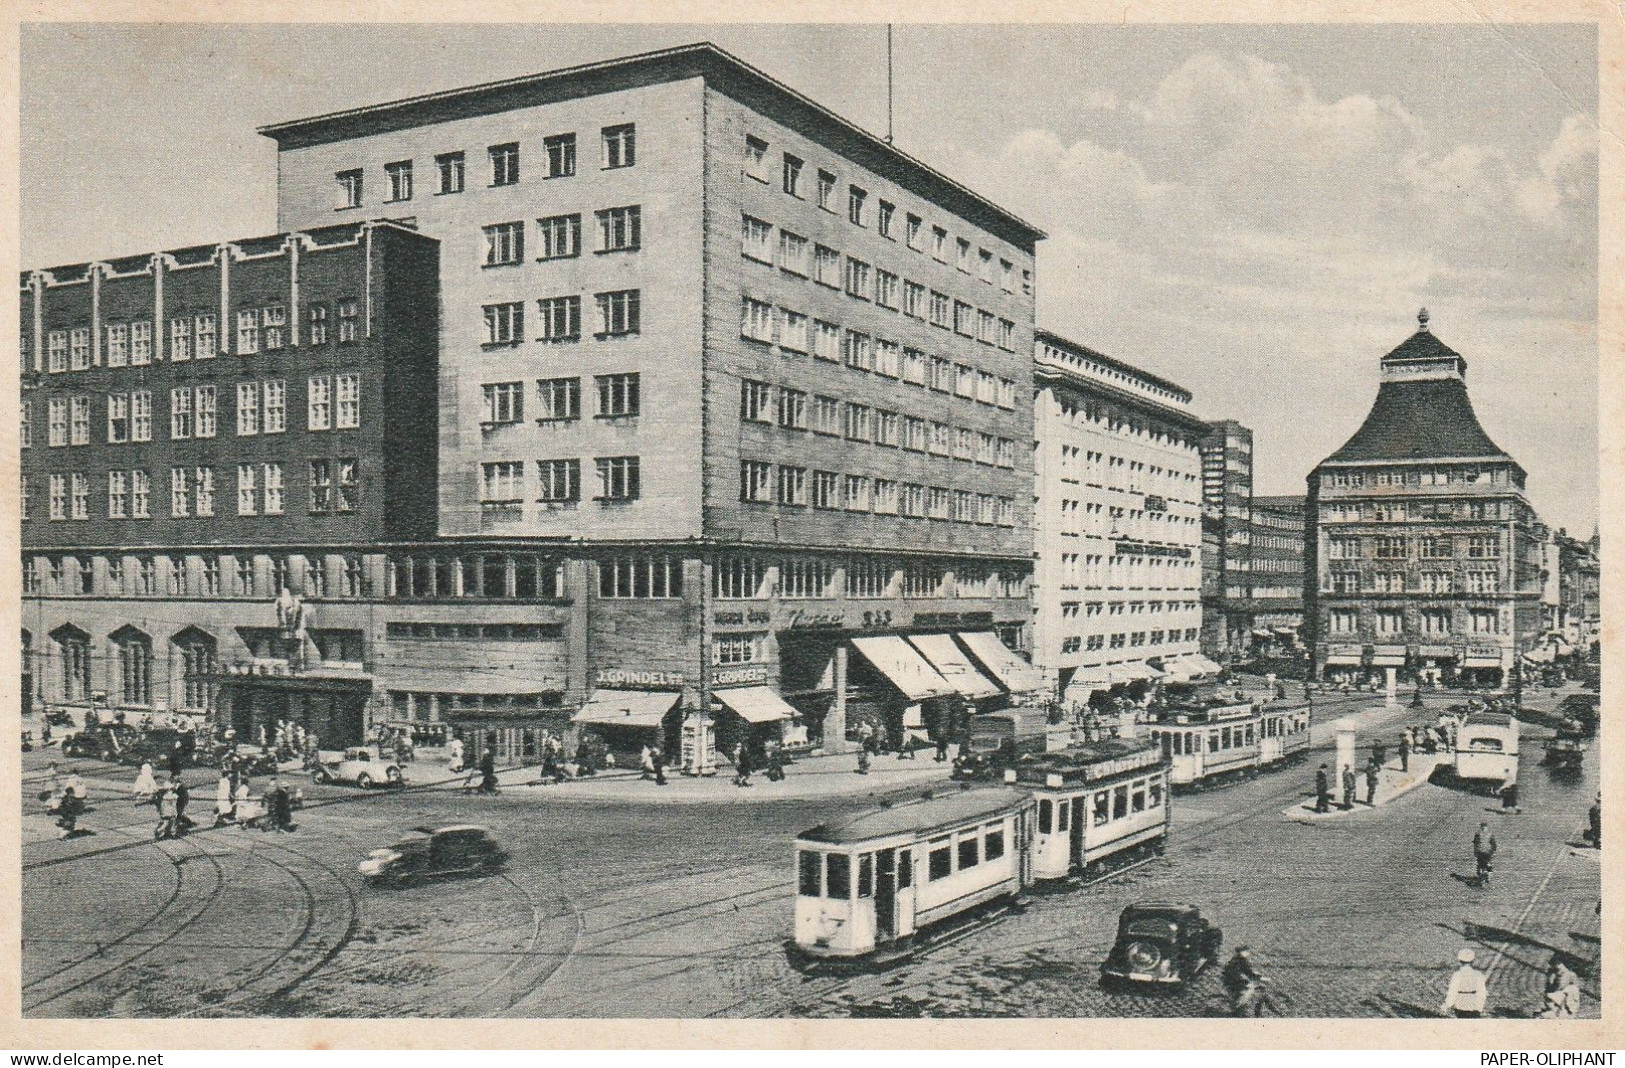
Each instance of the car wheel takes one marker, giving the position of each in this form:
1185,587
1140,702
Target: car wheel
394,776
364,781
322,777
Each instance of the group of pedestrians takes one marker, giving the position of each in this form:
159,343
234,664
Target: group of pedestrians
744,763
66,799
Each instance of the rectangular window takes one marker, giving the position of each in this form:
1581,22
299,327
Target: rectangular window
888,359
449,165
857,279
81,420
806,579
206,404
559,481
248,331
349,487
319,405
793,335
180,413
618,395
180,492
887,428
826,191
347,416
756,158
558,399
886,289
826,489
826,341
274,321
505,160
620,145
618,313
141,415
350,188
79,349
640,577
793,252
272,482
248,409
561,155
756,320
792,485
504,402
620,229
560,319
504,243
964,319
856,494
59,496
913,232
939,244
826,266
826,416
858,422
755,401
970,852
856,200
502,482
118,495
792,175
81,495
560,236
118,344
57,351
792,409
180,339
206,334
504,323
756,239
939,309
348,315
203,491
755,481
400,179
859,351
618,478
883,220
939,862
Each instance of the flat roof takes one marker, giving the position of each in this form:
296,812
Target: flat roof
920,817
1118,365
719,68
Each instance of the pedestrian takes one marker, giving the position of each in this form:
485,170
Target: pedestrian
454,754
658,760
488,772
1593,821
1509,796
775,764
1348,786
1468,990
1373,774
177,759
222,800
166,812
1484,848
1323,791
183,798
741,765
1562,992
145,785
646,762
244,807
1405,750
280,804
863,760
1379,752
68,811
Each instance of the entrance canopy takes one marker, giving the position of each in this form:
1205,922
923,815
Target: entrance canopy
1136,669
627,708
954,665
1343,660
758,704
1388,660
1014,673
904,667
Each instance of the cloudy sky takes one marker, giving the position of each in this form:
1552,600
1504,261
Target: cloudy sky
1256,213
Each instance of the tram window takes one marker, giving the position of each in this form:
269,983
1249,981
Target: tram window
970,852
1046,816
1213,741
1120,802
941,862
866,875
993,844
1063,813
905,868
1224,738
1156,793
1137,799
812,870
1103,810
1249,734
840,876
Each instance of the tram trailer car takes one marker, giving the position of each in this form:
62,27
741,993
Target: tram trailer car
1097,805
1487,749
1212,743
872,885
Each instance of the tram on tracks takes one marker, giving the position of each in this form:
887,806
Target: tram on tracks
1212,741
880,885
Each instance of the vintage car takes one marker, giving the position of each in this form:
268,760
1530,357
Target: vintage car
429,853
104,742
1161,942
360,768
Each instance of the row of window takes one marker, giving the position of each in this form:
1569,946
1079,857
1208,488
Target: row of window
617,149
398,630
193,336
1427,621
761,482
794,409
1096,571
1104,417
1115,803
332,402
1126,639
821,186
1104,471
132,664
558,237
1429,547
750,577
502,482
409,706
198,575
1412,478
559,399
1097,520
619,313
334,486
1477,581
1399,511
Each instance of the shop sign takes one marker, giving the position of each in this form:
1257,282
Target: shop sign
1485,651
621,678
739,676
1141,548
953,619
739,619
801,617
1153,503
1436,651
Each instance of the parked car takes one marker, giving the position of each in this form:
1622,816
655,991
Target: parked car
430,853
1161,942
104,742
360,768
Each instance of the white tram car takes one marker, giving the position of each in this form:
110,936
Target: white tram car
1204,744
1487,749
867,884
1096,806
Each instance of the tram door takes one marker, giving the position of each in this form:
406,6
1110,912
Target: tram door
885,895
1078,816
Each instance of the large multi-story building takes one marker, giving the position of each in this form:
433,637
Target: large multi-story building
1572,598
203,428
751,374
1424,553
1275,589
1227,496
1117,560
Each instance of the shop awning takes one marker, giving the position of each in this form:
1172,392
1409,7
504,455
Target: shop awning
1137,669
1201,665
1263,632
1481,662
1178,669
904,666
1014,673
1078,693
1388,661
952,664
1343,660
627,708
758,704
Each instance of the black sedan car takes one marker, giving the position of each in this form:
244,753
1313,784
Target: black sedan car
430,853
1161,942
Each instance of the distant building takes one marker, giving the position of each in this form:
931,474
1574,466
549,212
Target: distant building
1227,495
1425,553
1573,571
1117,562
1276,585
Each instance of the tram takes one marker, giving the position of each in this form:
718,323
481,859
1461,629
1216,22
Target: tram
1487,749
878,885
1207,742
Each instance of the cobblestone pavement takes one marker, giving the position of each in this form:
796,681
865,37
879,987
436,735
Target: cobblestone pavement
681,910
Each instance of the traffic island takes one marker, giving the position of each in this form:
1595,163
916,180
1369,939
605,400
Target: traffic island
1393,785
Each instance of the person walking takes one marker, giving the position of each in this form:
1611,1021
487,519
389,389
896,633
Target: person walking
488,772
166,813
1509,796
1562,992
1373,775
646,763
222,800
1484,848
454,754
1323,791
1593,822
183,798
775,764
145,785
741,764
863,760
1469,990
68,811
1405,750
1349,786
280,807
658,760
942,745
1379,752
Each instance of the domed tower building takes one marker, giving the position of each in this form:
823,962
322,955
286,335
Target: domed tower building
1424,552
